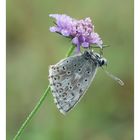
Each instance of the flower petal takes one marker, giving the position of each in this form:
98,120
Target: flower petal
85,44
53,29
75,41
65,32
80,31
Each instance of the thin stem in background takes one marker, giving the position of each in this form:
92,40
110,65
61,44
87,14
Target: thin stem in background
38,105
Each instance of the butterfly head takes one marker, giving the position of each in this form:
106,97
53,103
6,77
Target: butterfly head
102,61
96,57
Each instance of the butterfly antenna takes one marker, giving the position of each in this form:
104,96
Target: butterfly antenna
119,81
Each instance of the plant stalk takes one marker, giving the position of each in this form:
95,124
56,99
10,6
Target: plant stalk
38,105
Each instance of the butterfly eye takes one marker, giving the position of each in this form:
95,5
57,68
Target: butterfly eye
103,62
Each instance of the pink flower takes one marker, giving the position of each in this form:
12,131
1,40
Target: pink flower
80,31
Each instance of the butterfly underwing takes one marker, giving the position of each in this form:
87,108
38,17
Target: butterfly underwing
70,78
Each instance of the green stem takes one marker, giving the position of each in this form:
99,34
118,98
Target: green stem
29,118
37,106
70,51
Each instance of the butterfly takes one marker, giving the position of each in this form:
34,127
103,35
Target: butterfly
71,77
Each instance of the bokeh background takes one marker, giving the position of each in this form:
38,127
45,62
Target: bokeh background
106,111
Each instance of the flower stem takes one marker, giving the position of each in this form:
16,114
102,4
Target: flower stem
37,106
29,118
70,51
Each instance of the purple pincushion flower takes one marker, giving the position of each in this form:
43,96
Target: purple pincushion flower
80,31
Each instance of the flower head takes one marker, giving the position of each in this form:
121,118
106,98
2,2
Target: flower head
80,31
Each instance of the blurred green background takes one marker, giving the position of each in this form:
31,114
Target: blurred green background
106,111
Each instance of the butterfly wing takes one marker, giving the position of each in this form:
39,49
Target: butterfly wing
69,80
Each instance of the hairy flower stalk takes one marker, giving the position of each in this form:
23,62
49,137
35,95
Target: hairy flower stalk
81,31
